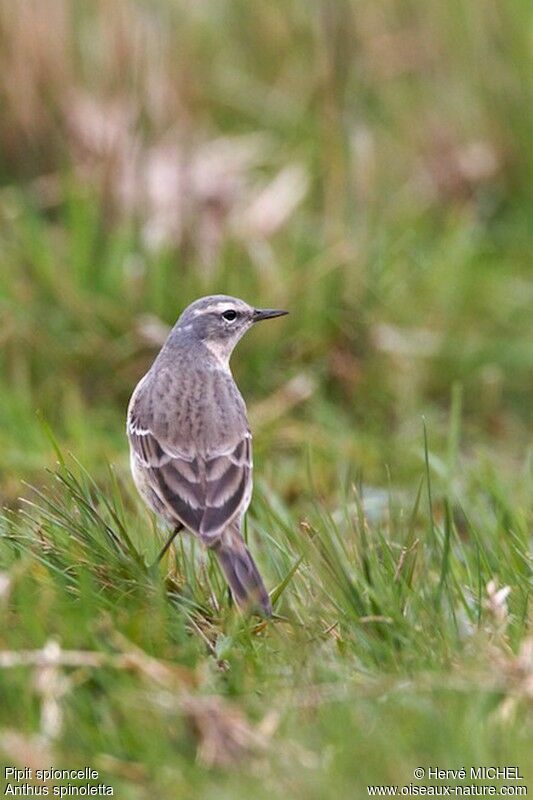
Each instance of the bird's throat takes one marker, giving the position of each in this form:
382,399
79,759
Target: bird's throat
221,352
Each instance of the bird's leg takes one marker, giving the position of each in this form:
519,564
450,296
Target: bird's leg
169,541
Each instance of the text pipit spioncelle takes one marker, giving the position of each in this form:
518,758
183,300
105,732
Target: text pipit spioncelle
190,442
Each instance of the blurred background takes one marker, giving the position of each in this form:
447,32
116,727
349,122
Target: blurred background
367,166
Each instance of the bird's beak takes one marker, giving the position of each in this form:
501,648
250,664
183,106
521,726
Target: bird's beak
267,313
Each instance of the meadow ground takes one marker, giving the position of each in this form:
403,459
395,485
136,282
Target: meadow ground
368,167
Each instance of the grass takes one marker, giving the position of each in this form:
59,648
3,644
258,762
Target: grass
368,167
403,634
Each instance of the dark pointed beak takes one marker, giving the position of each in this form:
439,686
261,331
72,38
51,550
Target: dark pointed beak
267,313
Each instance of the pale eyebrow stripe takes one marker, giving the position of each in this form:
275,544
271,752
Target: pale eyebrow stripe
221,307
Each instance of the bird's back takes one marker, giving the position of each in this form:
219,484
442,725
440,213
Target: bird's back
190,402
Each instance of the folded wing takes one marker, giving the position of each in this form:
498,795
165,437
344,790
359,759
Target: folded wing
203,492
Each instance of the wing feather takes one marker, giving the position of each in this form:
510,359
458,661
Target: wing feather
204,493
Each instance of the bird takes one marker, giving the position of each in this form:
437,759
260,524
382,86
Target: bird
190,440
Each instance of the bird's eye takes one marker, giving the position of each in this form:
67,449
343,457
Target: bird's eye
230,315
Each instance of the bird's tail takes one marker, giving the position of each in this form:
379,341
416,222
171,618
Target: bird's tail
241,573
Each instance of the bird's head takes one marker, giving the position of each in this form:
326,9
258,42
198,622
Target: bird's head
219,321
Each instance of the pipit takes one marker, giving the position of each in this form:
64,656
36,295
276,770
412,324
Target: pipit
190,442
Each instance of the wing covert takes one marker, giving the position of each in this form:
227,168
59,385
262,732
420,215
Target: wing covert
204,493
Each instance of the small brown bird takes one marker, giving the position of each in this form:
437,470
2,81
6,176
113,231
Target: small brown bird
190,442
